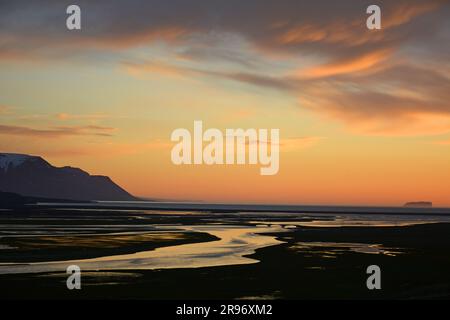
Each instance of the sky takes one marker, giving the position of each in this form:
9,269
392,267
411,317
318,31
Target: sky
364,115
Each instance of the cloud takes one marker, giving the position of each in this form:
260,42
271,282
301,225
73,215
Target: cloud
171,70
366,62
400,99
199,29
291,27
404,13
67,116
56,132
389,81
369,96
291,144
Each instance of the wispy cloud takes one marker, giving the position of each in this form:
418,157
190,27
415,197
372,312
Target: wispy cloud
171,70
56,132
374,82
69,116
371,62
289,144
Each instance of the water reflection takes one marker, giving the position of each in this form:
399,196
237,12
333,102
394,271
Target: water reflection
240,235
235,243
331,249
355,220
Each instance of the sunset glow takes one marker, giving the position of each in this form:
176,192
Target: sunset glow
364,115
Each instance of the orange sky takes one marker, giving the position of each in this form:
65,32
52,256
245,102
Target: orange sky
364,115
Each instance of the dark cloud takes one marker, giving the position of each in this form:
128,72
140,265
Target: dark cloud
288,26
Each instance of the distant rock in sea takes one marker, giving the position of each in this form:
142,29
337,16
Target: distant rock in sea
34,177
419,204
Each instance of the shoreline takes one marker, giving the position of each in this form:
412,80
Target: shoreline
323,272
245,208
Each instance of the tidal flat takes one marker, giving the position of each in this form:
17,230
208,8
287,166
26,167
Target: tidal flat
144,254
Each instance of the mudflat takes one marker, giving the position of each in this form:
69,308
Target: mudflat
302,256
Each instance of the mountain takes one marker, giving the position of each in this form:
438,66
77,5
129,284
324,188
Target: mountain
33,176
11,199
419,204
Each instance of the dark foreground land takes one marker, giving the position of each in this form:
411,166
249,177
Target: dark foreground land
312,263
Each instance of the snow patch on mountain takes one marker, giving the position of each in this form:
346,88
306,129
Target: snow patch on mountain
12,159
